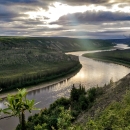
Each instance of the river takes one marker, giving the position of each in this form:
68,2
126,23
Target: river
91,74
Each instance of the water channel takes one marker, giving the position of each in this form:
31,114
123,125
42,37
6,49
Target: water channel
91,74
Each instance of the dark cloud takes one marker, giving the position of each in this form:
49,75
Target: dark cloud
97,34
50,1
45,3
92,17
17,1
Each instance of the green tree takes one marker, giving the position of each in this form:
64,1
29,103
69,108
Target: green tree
64,119
18,104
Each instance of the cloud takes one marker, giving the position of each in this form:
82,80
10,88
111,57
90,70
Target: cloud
92,17
95,35
86,2
17,1
15,19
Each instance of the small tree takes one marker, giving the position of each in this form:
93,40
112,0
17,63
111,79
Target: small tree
17,105
64,119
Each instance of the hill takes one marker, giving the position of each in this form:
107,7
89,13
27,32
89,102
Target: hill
27,61
110,110
53,43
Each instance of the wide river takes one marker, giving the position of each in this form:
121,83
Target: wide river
91,74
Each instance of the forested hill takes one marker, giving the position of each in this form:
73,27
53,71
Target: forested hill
52,44
27,61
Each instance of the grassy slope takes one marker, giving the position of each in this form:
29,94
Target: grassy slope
111,93
98,113
105,113
118,56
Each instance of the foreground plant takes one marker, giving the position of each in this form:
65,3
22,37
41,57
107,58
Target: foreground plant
17,105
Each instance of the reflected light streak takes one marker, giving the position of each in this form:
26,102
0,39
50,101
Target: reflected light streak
80,75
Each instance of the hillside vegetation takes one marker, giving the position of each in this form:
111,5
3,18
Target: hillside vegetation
110,110
104,108
117,56
53,44
27,61
64,108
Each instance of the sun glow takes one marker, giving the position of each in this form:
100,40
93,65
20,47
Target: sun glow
56,10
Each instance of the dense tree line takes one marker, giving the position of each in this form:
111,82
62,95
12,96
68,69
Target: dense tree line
35,78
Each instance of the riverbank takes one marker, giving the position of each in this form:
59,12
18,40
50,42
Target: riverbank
112,93
53,81
120,57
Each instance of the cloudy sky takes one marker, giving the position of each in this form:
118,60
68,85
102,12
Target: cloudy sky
68,18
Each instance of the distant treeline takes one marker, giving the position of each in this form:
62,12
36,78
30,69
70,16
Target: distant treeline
117,56
53,43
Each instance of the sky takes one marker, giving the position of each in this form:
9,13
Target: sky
98,19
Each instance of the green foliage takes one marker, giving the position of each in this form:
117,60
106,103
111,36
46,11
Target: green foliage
59,116
48,116
64,119
82,100
17,105
40,127
60,102
75,93
115,117
63,111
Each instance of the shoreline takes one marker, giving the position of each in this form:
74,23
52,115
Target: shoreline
42,85
109,61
